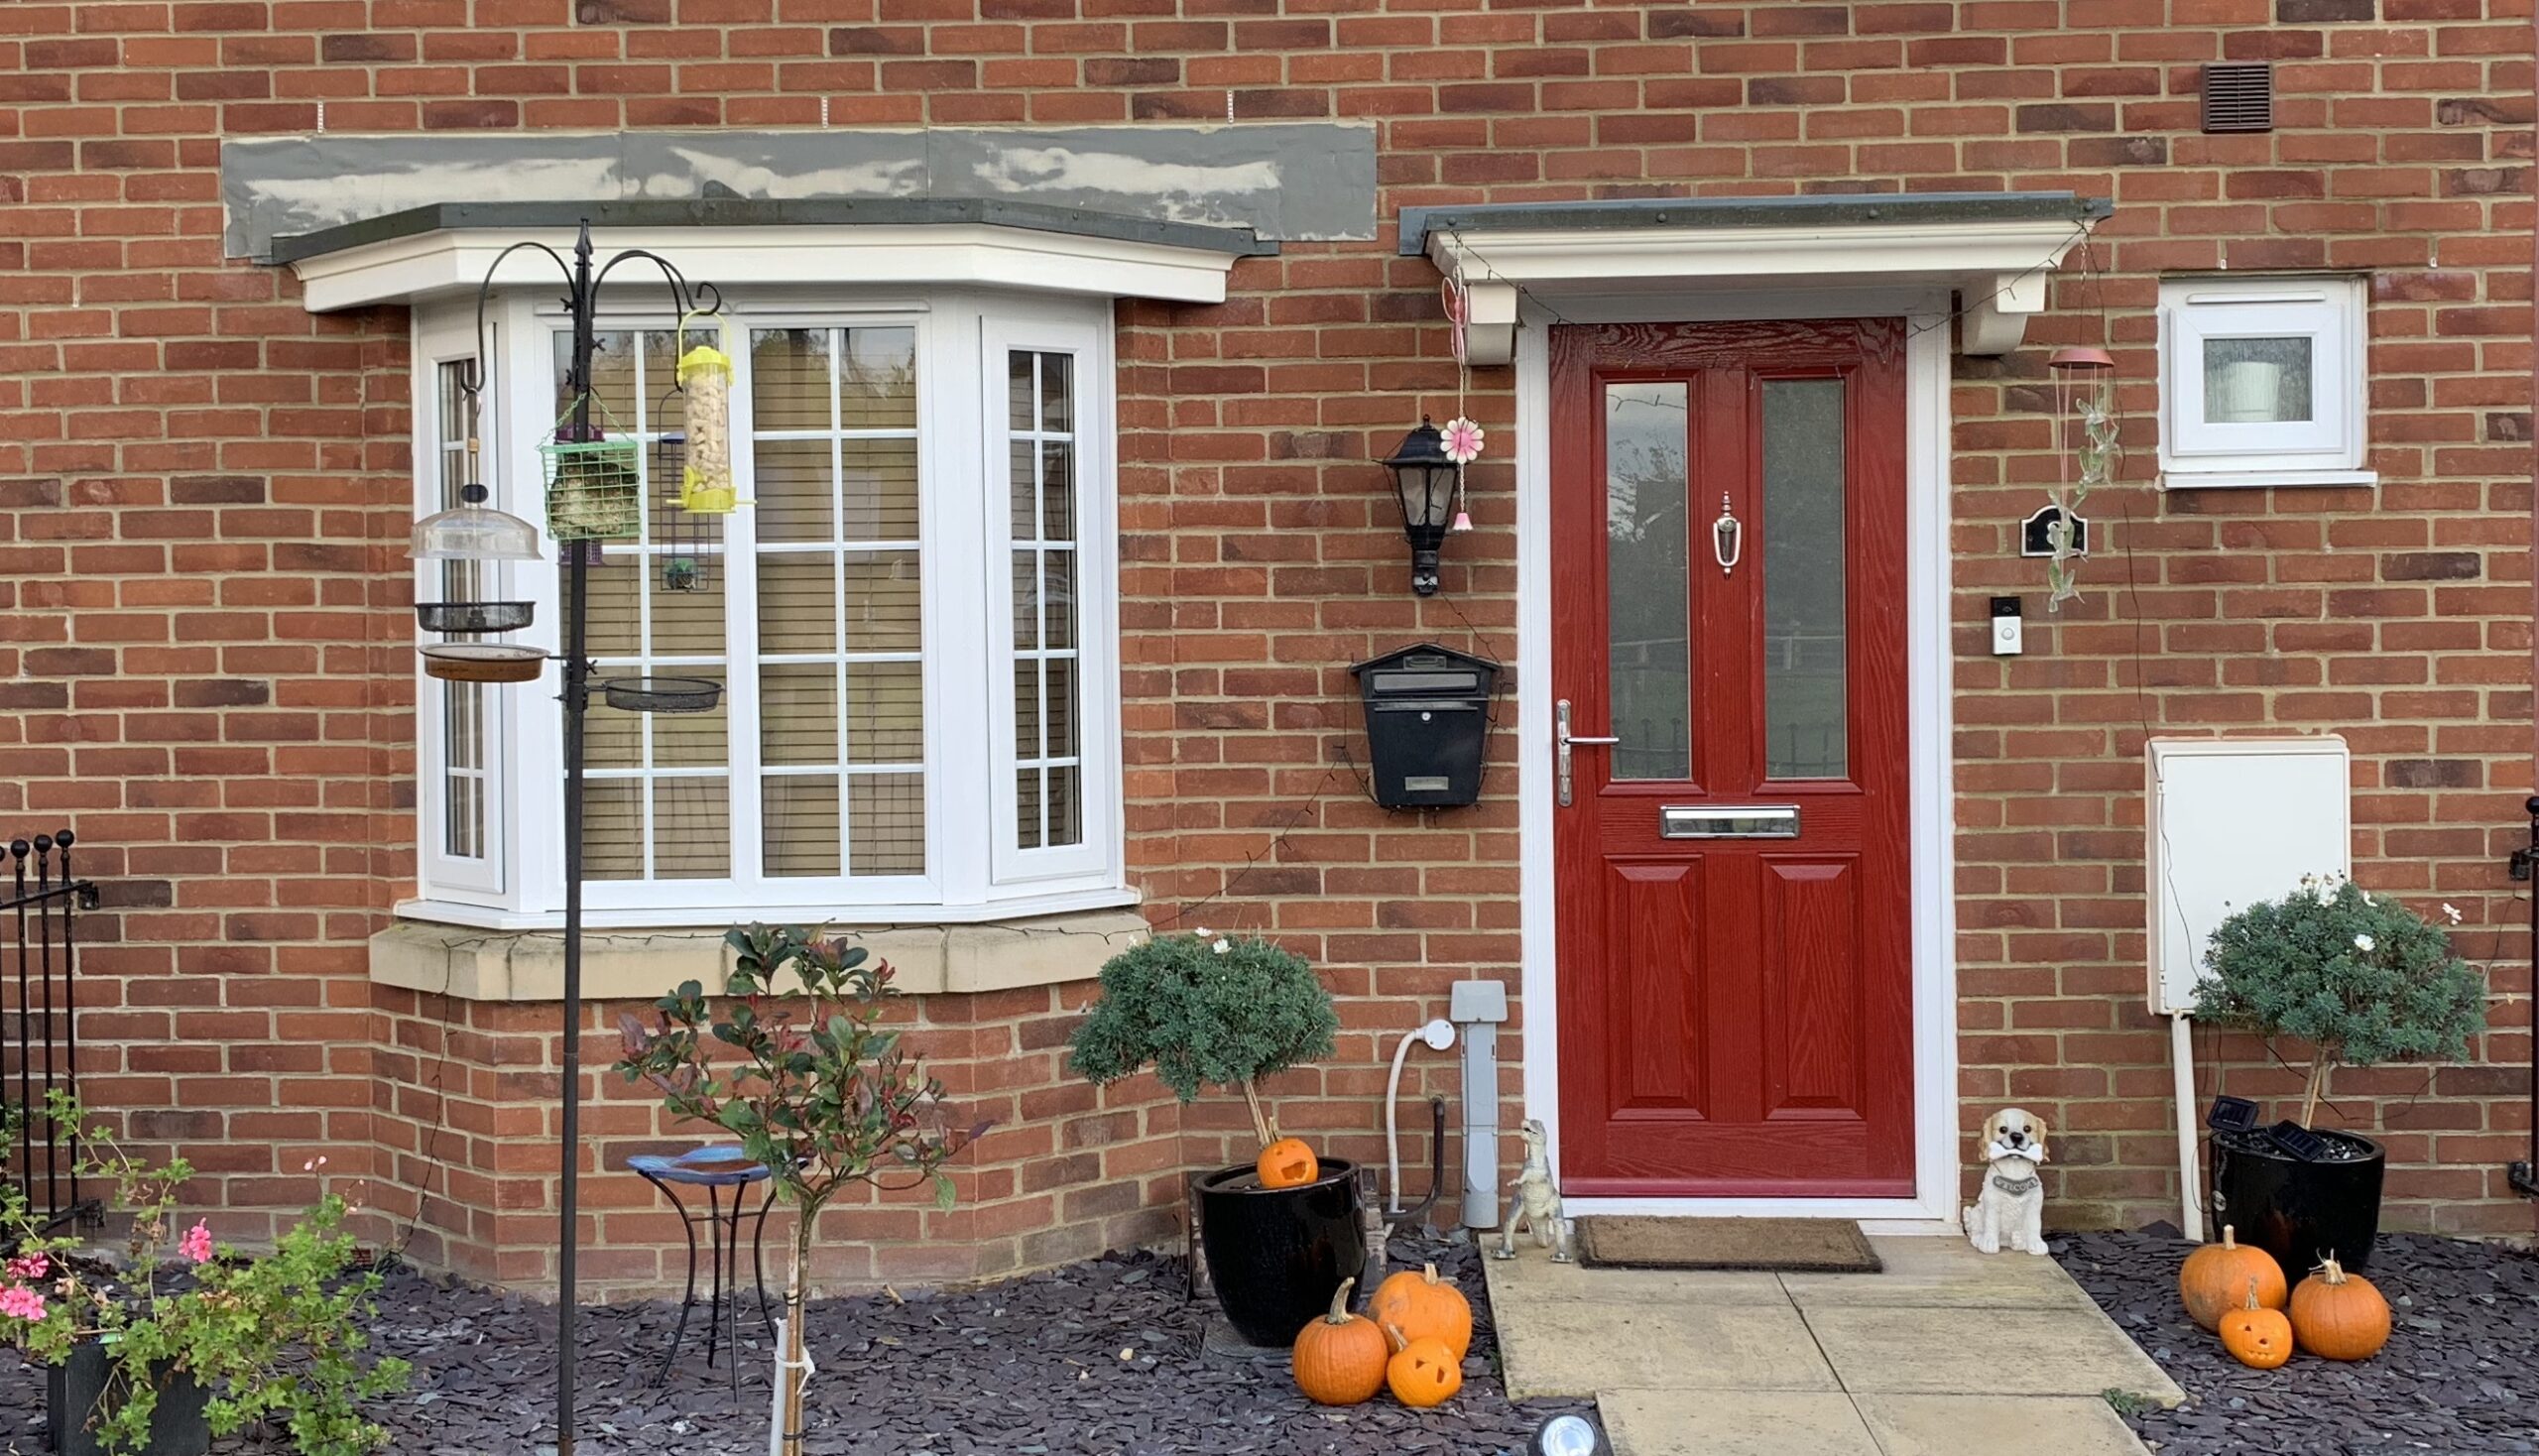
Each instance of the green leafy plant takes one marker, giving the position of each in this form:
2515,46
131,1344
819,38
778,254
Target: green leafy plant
2362,978
1206,1009
817,1089
274,1337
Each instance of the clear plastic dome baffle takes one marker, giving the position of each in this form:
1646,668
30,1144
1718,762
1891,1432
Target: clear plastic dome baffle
474,531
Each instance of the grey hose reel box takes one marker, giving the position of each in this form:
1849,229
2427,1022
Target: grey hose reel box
1427,724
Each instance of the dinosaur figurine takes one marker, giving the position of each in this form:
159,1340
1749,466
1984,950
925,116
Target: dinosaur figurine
1538,1203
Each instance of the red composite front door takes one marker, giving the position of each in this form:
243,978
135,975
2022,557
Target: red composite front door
1732,860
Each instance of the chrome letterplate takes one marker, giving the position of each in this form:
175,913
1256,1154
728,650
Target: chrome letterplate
1745,821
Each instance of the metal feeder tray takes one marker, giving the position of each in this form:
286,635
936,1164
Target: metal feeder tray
662,694
483,661
474,616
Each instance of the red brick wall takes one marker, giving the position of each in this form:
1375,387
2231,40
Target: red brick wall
202,647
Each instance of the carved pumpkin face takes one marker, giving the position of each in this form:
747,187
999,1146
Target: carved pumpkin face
2258,1337
1288,1163
1424,1371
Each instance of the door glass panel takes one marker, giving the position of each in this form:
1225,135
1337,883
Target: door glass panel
1648,595
1804,640
2256,381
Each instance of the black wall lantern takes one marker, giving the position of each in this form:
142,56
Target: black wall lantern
1424,476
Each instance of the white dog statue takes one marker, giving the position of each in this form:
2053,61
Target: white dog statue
1537,1205
2009,1212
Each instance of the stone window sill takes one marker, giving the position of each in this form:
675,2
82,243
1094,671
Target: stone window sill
641,965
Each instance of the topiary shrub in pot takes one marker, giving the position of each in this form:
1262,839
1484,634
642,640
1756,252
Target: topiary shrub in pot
1279,1234
2363,980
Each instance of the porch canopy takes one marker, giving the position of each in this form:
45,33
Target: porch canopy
1994,249
447,248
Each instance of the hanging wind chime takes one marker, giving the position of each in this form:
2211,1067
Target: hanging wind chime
1463,437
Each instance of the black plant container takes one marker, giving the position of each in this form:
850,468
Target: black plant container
1276,1254
73,1391
2298,1211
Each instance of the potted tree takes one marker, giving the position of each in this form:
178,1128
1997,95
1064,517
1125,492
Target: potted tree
1279,1234
153,1356
811,1085
2363,980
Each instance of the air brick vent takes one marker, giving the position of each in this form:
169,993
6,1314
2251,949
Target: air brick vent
2239,97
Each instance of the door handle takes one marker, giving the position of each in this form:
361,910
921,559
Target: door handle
1563,741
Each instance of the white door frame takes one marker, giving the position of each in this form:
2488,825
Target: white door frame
1927,316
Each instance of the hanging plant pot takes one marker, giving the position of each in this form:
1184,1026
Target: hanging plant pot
662,694
457,617
482,661
76,1398
1276,1254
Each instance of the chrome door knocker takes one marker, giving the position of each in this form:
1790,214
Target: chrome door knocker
1727,537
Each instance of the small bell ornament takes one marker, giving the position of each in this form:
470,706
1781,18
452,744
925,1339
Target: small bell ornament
1462,523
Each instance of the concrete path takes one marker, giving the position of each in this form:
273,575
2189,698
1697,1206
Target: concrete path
1947,1353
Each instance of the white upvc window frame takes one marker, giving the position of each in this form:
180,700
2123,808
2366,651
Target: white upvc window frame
973,871
1096,630
477,880
2329,448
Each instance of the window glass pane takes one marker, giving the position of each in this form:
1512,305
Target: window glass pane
1806,640
692,828
687,620
1041,456
1649,594
795,490
798,714
1066,823
886,824
2258,381
886,713
691,740
801,823
612,829
840,601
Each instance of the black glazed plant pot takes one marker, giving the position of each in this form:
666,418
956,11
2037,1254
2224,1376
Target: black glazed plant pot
1276,1254
2299,1211
73,1391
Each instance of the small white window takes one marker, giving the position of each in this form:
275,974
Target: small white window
2262,381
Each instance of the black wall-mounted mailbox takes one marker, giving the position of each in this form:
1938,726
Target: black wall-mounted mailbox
1427,720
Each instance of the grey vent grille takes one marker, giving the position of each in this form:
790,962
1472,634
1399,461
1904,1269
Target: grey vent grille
2239,97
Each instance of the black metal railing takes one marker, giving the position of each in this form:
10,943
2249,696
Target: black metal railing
39,1021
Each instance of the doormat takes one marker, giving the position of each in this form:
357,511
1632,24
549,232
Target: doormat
1778,1245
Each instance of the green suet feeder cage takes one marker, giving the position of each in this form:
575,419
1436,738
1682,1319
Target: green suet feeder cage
594,484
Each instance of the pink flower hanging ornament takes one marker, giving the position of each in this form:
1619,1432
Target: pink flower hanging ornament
1463,440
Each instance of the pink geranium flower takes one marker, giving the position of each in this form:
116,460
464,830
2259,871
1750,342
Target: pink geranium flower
196,1244
20,1302
30,1267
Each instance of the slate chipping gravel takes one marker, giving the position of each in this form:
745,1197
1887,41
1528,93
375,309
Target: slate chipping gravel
2459,1375
1032,1367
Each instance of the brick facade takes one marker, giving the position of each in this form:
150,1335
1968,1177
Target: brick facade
203,638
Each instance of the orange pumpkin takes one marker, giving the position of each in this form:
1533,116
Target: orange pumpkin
2258,1337
2340,1316
1340,1359
1422,1371
2216,1274
1288,1163
1423,1304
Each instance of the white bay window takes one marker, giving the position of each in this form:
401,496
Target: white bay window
912,613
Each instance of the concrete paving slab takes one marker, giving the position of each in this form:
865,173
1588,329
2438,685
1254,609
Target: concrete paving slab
1945,1351
1940,1273
1533,1274
1580,1347
1735,1423
2013,1425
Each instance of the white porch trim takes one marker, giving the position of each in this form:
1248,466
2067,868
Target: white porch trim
1932,1208
453,261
